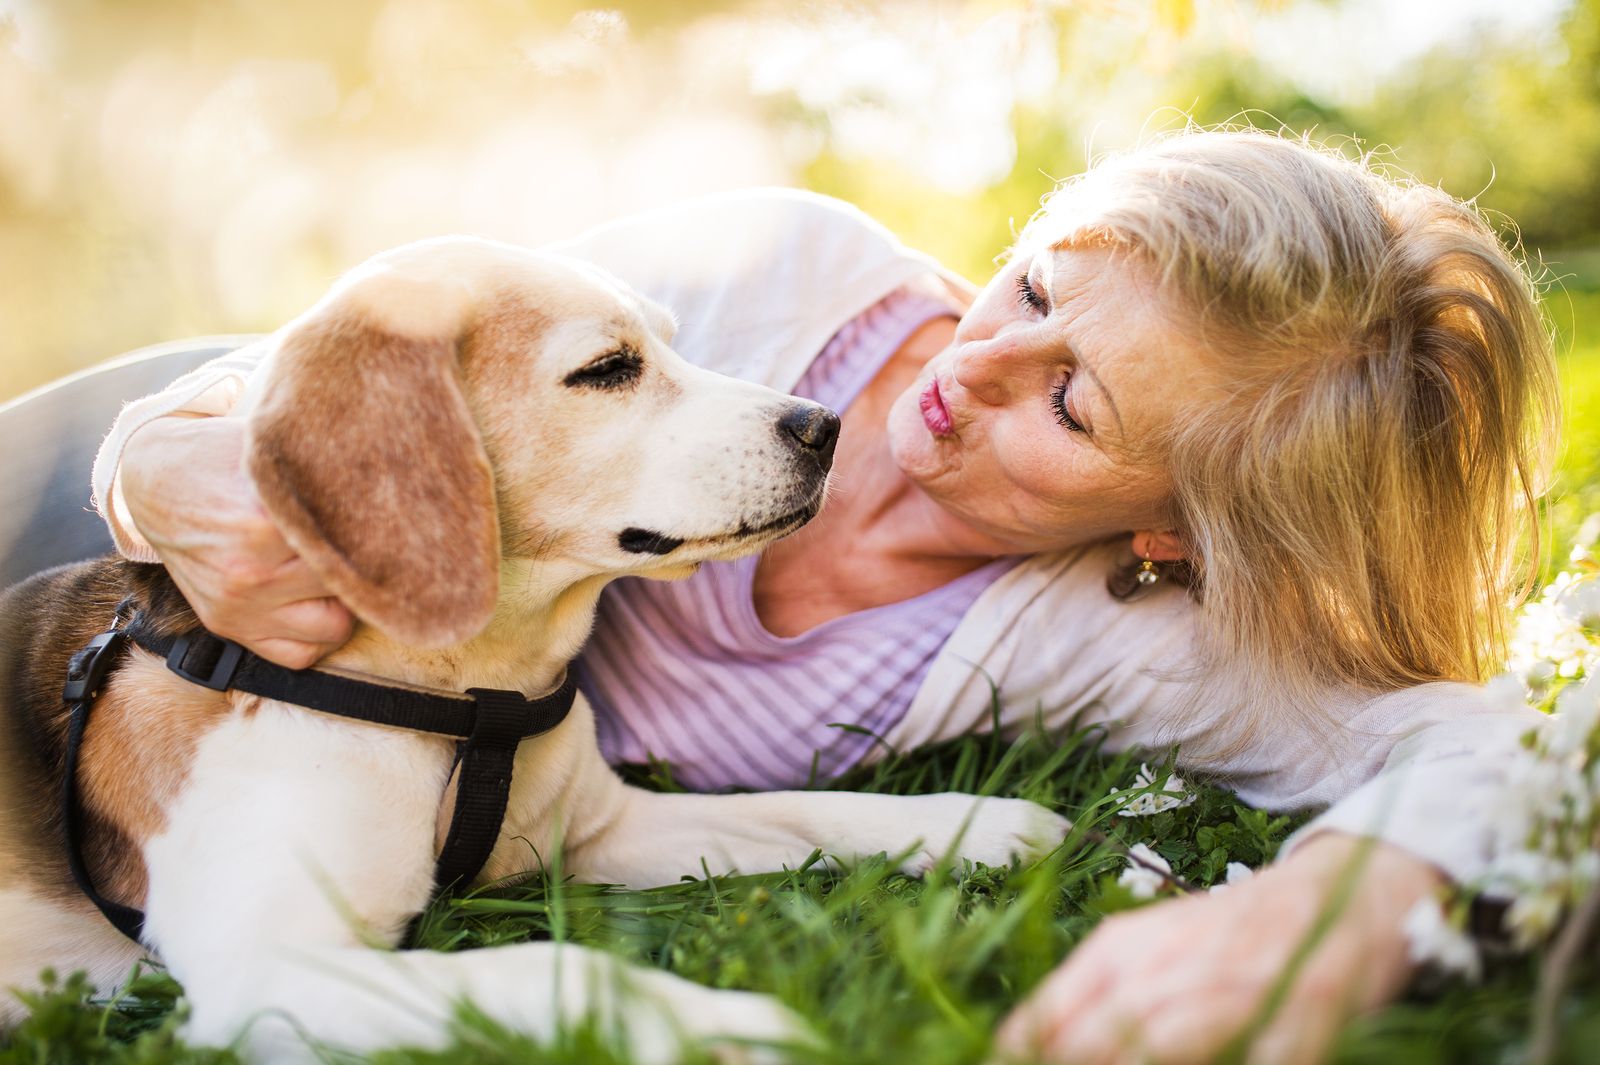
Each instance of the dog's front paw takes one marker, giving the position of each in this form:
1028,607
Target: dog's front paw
734,1027
744,1028
990,831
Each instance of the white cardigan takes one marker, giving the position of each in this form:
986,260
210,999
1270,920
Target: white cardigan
760,280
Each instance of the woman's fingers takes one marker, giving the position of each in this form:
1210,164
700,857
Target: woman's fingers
1067,1000
297,635
291,654
1139,968
186,490
292,633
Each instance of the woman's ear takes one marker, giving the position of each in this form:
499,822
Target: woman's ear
365,453
1162,546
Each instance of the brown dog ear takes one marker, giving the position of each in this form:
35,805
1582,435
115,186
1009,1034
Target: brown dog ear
365,453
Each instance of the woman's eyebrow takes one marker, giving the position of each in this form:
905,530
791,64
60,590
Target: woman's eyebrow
1039,285
1095,380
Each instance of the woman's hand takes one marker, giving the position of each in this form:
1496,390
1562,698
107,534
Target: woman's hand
186,489
1178,981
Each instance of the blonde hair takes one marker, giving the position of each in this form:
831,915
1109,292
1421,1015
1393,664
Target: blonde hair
1353,508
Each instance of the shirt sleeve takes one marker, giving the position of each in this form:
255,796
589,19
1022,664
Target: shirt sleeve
1424,768
1444,752
210,390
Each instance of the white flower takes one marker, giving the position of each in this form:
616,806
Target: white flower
1236,873
1432,940
1152,800
1521,872
1139,877
1577,597
1577,713
1545,830
1551,638
1533,916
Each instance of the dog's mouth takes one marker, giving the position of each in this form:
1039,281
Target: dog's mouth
650,542
772,530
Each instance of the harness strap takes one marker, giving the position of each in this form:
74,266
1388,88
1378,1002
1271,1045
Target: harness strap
491,722
85,675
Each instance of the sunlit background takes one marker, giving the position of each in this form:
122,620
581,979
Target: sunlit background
203,166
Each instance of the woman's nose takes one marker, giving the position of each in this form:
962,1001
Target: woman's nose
986,368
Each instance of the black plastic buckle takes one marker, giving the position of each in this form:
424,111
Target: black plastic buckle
504,720
220,676
88,668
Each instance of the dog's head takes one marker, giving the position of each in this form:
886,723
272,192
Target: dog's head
456,403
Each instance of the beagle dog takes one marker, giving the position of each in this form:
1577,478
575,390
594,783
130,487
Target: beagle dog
465,440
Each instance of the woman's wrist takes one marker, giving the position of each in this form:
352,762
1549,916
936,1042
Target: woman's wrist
1384,881
1333,850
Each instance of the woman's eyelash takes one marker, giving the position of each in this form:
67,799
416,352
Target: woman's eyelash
1058,407
1029,297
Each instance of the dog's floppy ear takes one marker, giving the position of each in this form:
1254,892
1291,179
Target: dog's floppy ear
366,455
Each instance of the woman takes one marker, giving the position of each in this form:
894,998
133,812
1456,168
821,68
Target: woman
1318,394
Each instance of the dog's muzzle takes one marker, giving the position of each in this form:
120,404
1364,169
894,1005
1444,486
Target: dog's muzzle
809,432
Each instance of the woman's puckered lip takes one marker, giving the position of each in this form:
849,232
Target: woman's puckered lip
935,413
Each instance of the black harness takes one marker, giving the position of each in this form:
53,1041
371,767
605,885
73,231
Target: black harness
490,723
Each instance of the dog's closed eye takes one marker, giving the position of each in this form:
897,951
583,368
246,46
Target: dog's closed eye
616,369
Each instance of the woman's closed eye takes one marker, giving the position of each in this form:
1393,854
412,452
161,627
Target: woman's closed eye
1058,407
1029,296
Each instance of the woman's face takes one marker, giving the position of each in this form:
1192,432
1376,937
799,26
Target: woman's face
1038,425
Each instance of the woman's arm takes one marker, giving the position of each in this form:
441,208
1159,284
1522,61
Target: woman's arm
1419,768
170,483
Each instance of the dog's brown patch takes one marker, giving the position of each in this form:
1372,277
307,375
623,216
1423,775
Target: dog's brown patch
497,360
134,756
366,455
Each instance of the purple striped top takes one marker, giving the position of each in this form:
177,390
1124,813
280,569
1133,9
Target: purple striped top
684,672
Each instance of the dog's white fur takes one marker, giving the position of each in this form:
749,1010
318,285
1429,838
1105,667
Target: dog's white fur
301,842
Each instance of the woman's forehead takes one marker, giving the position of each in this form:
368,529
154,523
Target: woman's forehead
1114,315
1108,300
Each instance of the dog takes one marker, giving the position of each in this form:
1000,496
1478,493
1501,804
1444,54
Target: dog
465,441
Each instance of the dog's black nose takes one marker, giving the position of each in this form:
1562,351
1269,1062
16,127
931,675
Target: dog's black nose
812,427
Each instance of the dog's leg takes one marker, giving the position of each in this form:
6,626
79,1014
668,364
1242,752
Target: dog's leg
37,932
302,846
641,838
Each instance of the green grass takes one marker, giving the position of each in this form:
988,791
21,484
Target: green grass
890,969
893,970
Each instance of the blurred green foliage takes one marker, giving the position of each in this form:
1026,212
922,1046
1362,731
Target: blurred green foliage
186,166
1510,121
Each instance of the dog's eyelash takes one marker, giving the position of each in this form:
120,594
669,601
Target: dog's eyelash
617,369
1029,297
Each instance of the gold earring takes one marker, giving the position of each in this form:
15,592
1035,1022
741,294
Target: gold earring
1130,582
